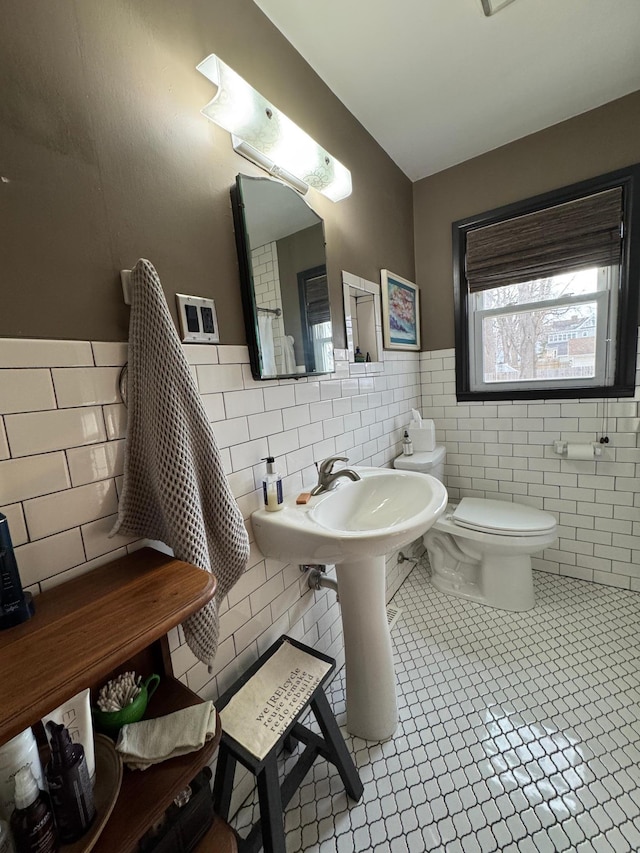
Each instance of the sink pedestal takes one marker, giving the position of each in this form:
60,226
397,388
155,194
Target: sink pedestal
372,709
352,527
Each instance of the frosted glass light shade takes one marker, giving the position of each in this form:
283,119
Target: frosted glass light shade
243,112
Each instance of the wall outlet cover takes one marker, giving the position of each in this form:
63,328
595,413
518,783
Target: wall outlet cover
198,319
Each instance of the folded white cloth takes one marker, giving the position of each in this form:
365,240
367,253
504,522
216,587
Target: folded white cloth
152,741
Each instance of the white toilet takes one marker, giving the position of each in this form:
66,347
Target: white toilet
481,549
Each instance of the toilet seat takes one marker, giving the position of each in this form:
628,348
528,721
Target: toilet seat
502,518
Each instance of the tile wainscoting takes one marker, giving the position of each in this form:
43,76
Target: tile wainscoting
505,450
62,428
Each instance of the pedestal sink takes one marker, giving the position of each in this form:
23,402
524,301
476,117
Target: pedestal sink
353,526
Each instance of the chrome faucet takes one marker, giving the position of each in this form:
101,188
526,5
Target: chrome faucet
327,477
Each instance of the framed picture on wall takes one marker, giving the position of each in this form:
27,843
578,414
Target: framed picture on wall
400,312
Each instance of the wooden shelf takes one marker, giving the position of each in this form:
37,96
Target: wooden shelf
145,795
85,628
83,631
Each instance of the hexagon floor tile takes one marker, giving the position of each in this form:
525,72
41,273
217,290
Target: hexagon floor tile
518,732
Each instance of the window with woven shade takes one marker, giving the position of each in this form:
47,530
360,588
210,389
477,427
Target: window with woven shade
546,294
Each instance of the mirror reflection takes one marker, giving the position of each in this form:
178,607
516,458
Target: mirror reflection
362,318
283,269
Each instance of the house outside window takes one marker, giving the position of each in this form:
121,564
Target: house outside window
545,332
546,294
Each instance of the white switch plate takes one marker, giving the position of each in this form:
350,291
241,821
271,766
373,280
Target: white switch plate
198,319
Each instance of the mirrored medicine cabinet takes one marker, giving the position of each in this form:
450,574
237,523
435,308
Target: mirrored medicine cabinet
283,277
362,318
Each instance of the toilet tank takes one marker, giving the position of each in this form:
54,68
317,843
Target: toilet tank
426,462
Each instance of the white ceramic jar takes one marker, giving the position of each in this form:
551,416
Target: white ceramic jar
20,751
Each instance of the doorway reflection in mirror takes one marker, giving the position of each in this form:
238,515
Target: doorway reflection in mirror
363,319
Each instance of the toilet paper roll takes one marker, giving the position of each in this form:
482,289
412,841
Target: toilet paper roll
580,451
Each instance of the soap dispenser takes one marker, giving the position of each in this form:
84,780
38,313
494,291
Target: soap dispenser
407,445
272,487
32,824
69,785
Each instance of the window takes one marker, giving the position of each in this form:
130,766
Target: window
530,334
546,294
316,320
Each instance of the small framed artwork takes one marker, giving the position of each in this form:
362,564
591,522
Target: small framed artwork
400,312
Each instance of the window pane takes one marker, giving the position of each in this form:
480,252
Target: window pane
321,336
542,344
557,287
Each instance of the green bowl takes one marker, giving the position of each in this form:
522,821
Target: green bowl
110,722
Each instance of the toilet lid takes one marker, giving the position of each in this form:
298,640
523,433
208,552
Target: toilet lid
500,517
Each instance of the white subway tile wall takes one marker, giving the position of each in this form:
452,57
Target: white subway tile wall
61,462
62,429
505,450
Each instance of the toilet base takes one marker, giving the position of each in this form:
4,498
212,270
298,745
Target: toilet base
505,583
480,573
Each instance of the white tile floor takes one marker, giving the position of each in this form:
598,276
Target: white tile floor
518,732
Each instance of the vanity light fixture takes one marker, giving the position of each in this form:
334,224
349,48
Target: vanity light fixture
251,153
264,135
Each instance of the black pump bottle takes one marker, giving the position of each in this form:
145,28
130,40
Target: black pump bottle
16,606
69,785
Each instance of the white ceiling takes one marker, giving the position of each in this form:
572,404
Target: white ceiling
435,82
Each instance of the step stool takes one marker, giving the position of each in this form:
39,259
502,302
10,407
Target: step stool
286,704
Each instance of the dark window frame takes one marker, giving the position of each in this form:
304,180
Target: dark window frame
628,288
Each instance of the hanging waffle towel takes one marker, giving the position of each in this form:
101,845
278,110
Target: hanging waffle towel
152,741
175,489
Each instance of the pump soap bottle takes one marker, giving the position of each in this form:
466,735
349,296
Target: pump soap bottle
407,445
20,751
32,819
272,487
69,785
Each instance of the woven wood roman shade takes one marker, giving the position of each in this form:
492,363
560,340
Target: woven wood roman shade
317,300
571,236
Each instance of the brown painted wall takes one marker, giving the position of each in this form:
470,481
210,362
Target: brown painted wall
106,158
591,144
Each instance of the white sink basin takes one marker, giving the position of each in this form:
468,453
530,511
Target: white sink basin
371,517
354,526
